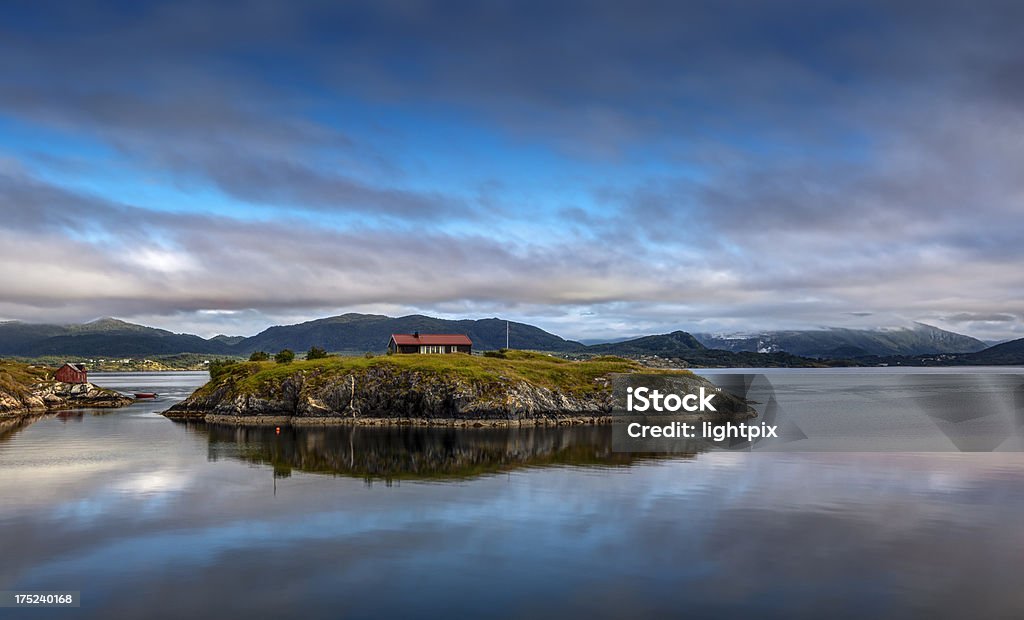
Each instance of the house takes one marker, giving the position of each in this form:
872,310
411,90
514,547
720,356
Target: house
430,343
71,373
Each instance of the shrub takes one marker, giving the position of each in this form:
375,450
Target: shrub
285,356
369,355
316,353
219,367
259,356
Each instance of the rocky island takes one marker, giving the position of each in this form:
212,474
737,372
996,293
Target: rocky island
510,388
27,389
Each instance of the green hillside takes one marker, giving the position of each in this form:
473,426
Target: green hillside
538,369
370,332
1008,353
104,337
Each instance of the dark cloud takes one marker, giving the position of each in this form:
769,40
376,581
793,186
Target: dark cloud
163,90
30,205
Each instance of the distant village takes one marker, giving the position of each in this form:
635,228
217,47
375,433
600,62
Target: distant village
185,361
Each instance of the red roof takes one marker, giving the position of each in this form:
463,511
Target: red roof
435,339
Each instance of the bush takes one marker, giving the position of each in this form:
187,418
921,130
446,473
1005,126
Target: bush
500,354
369,355
285,356
219,367
259,356
316,353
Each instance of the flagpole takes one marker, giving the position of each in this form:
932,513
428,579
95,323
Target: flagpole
506,334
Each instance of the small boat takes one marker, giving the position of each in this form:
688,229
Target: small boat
145,395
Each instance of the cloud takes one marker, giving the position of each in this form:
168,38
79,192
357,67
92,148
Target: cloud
968,316
596,166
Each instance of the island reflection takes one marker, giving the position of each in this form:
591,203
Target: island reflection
9,427
419,453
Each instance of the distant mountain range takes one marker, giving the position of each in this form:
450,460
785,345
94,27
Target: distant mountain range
664,344
370,332
836,343
921,345
1011,352
348,332
681,345
105,337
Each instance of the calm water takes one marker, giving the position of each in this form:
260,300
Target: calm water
148,517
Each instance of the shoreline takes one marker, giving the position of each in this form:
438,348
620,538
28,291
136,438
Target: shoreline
547,421
14,414
18,400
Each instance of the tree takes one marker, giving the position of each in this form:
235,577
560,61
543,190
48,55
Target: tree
285,356
259,356
316,353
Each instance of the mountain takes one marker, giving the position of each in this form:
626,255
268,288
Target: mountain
104,337
1011,352
680,345
593,341
670,345
228,340
16,336
371,332
848,343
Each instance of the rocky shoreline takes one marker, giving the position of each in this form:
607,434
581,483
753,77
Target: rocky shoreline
388,398
388,395
50,396
285,420
548,421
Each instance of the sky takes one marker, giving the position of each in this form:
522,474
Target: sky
599,169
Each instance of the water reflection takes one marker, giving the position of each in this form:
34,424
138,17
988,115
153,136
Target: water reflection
12,426
148,518
418,453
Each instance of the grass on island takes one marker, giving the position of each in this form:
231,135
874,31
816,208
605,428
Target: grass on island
17,378
576,377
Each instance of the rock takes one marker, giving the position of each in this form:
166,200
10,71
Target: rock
54,395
